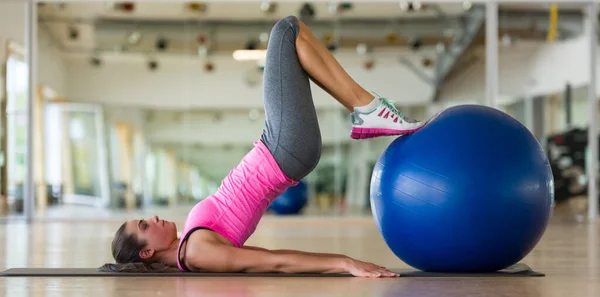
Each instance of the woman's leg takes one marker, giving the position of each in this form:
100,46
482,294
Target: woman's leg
327,72
291,132
371,116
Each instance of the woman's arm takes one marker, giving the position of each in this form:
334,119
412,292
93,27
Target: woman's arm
294,252
214,257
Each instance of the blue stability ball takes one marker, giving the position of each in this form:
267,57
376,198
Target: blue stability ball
292,201
472,191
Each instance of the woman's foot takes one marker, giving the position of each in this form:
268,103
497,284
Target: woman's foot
381,118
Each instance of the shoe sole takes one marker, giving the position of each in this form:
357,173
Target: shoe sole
364,133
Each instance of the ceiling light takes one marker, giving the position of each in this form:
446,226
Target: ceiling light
249,55
134,37
467,5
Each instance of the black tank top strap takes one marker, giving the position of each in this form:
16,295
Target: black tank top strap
183,240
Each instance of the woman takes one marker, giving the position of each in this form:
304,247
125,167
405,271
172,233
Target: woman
216,228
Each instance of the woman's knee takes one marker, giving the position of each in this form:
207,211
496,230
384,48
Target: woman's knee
284,24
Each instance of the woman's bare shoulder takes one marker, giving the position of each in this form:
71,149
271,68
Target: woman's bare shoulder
199,245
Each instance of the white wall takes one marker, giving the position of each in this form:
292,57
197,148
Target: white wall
182,83
52,71
12,23
51,66
468,85
580,113
233,128
526,69
12,27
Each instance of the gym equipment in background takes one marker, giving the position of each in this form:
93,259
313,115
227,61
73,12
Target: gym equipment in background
567,155
292,201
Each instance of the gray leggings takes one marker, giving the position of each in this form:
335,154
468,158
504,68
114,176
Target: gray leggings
291,130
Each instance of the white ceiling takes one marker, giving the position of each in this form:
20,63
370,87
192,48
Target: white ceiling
102,28
235,11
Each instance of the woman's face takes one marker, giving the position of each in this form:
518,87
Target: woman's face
158,234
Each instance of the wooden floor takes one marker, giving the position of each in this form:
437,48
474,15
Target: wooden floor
569,254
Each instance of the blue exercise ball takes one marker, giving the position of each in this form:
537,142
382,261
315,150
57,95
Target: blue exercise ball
292,201
472,191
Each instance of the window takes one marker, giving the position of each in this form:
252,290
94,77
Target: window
16,113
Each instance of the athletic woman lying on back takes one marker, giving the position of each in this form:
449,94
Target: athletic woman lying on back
216,228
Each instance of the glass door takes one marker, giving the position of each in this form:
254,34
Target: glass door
15,134
76,153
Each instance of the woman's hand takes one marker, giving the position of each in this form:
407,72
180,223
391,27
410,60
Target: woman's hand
365,269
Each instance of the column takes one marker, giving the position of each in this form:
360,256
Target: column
491,54
31,41
124,136
591,23
171,177
3,139
66,156
40,162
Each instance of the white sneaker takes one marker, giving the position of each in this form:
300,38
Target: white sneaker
381,118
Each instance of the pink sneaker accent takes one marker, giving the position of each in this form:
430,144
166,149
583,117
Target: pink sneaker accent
364,133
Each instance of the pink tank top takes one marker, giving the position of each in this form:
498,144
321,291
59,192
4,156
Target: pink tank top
240,202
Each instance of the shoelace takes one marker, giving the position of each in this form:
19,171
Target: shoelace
390,104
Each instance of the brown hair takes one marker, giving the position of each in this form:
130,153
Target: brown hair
126,251
126,247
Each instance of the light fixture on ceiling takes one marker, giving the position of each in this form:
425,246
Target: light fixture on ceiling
254,115
506,40
332,7
128,7
162,44
199,7
410,5
416,43
404,5
268,7
264,37
416,5
202,39
134,37
73,33
362,49
427,62
251,44
249,55
440,47
369,64
345,6
335,7
96,61
467,4
152,65
203,51
209,66
392,38
307,11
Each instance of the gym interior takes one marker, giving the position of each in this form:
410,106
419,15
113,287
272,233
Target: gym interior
116,110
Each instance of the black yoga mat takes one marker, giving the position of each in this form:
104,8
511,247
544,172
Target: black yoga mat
518,270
